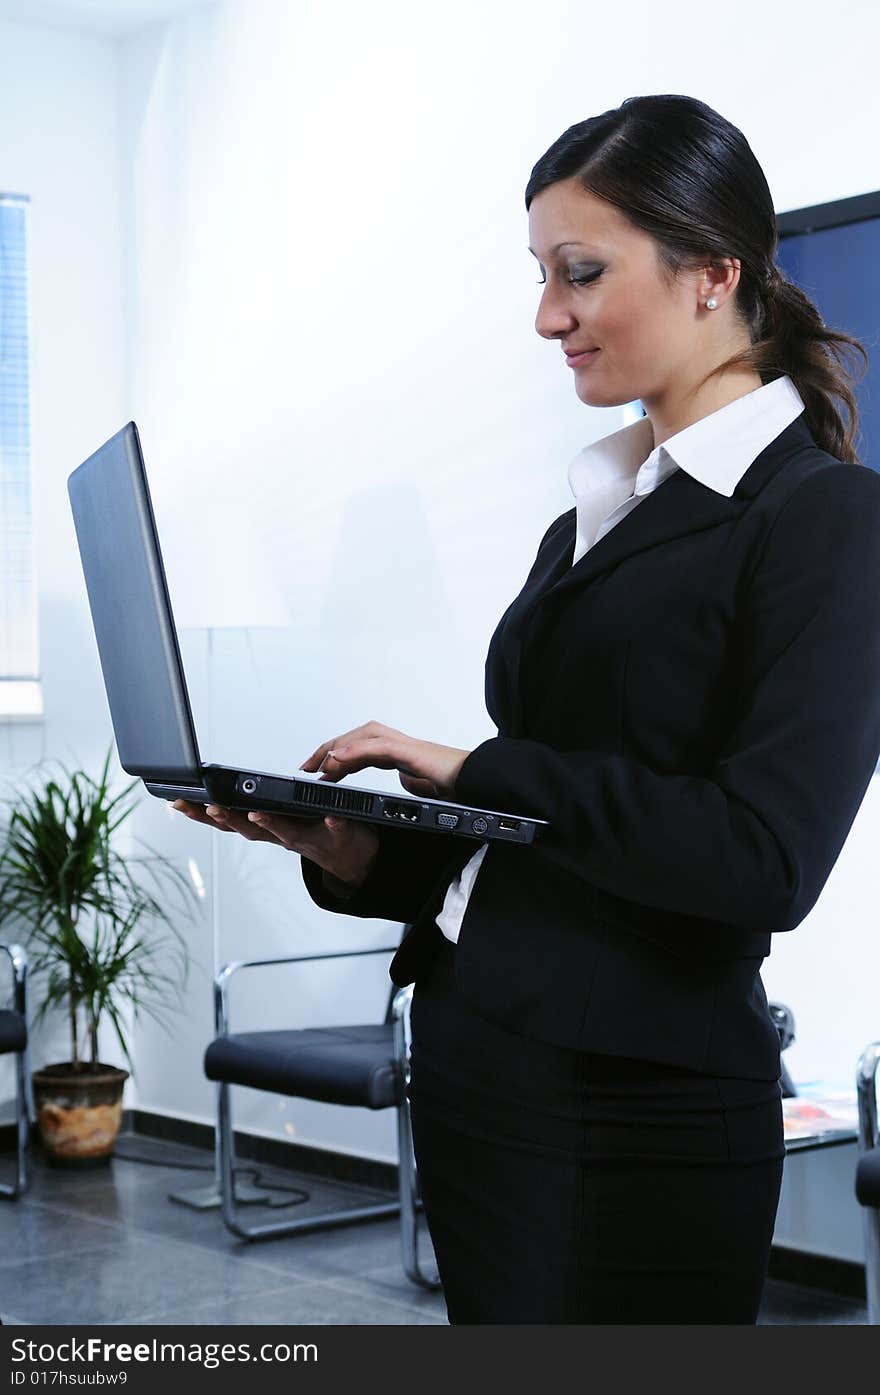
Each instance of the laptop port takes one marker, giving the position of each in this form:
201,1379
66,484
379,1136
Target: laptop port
249,785
400,811
510,824
448,820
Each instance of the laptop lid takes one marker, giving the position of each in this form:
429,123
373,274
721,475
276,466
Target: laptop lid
131,612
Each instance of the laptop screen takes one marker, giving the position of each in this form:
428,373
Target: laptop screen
131,613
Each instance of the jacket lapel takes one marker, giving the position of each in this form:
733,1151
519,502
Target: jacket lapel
680,506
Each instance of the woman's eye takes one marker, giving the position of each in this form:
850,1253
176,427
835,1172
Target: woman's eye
578,280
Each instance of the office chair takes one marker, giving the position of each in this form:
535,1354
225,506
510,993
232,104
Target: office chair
14,1039
868,1173
783,1020
365,1065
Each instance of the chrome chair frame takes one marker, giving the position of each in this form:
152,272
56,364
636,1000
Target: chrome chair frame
869,1137
409,1202
23,1097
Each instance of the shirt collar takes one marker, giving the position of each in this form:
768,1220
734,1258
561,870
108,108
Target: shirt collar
716,450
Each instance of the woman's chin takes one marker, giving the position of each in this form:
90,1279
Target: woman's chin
594,396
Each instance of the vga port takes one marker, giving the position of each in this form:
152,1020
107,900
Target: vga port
447,820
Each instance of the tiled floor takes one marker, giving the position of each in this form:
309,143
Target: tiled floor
109,1247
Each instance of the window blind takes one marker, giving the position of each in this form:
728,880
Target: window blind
19,654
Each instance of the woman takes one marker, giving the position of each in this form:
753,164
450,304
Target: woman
687,690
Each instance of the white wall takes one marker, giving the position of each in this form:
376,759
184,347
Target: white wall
328,306
59,144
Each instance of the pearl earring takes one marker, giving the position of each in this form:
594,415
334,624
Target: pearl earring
712,304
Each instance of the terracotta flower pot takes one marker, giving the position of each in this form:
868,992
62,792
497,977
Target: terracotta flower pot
79,1110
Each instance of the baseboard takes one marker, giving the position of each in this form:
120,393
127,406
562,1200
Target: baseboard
273,1152
841,1276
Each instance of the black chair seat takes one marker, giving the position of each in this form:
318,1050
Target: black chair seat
868,1178
340,1065
13,1034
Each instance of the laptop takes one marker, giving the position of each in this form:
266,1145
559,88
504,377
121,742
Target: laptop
146,685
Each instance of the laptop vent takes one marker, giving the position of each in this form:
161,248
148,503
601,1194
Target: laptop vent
329,796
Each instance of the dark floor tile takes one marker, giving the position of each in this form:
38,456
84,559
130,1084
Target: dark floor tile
391,1282
340,1253
127,1278
107,1245
103,1208
299,1304
29,1231
786,1304
137,1196
58,1183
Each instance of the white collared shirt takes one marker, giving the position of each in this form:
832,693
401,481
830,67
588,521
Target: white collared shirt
610,478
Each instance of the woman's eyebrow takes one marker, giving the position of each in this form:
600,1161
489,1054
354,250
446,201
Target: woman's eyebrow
558,247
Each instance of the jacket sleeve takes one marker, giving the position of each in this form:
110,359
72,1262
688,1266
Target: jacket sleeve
408,866
752,843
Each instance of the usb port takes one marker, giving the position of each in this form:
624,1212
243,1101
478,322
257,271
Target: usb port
510,824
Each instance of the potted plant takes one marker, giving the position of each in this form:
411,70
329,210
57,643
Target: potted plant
98,940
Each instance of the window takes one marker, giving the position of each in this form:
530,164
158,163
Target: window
20,694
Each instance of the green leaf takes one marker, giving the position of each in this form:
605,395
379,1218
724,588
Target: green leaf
101,929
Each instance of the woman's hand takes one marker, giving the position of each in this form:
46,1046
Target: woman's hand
425,768
344,848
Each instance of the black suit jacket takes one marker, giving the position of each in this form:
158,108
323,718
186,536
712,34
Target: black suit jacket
695,707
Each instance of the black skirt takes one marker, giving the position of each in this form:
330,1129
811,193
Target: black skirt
562,1186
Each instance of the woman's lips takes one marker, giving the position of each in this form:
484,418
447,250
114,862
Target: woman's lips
575,360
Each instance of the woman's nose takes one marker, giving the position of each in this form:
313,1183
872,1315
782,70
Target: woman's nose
552,319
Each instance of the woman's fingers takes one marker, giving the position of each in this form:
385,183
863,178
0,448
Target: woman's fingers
196,812
231,821
384,750
415,785
346,848
316,760
228,821
282,828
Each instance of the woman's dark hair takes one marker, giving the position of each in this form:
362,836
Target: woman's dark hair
679,171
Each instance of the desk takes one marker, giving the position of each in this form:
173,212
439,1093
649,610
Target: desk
827,1139
818,1117
818,1215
